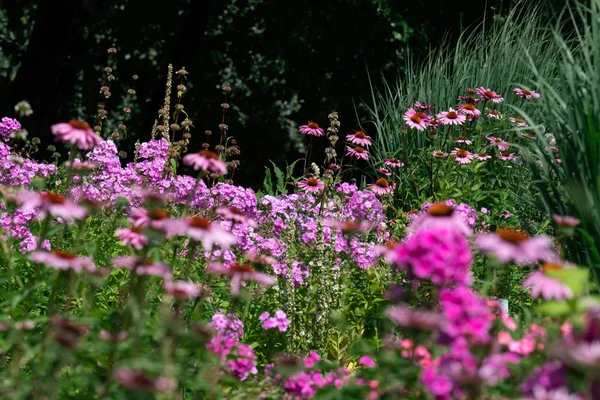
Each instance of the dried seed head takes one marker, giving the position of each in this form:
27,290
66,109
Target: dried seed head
186,123
227,88
208,132
108,70
101,106
219,148
187,135
205,146
174,127
131,91
112,50
162,112
135,77
102,112
214,176
336,123
126,110
55,155
52,148
111,78
333,115
115,136
225,106
103,89
179,107
107,94
181,88
233,142
35,140
182,72
122,127
122,154
97,128
223,127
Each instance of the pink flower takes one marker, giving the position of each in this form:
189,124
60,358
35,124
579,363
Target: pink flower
182,290
8,126
312,359
518,121
488,94
139,380
279,321
566,221
62,261
561,393
506,156
526,94
132,236
501,144
239,272
143,266
451,117
511,245
113,336
366,361
423,106
357,152
382,187
462,156
494,114
441,215
206,161
462,139
384,171
469,109
51,203
414,318
360,138
416,119
200,230
76,132
235,215
349,226
506,214
482,156
393,163
311,185
439,154
312,129
546,287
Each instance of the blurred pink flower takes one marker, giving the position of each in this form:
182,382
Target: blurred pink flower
206,160
235,215
51,203
546,287
566,221
143,266
512,245
526,94
139,380
76,132
498,142
132,236
62,260
200,230
393,163
182,290
494,114
240,272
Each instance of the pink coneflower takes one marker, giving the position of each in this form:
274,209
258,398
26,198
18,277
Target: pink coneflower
62,260
357,152
201,230
382,187
416,119
545,286
393,163
312,129
439,154
498,142
462,139
206,160
360,138
506,156
494,114
139,380
526,94
240,272
482,156
182,290
566,221
517,246
334,167
349,226
414,318
440,215
139,217
451,117
518,121
488,94
143,266
311,185
76,132
132,236
469,99
384,171
506,214
462,156
51,203
235,215
423,106
469,109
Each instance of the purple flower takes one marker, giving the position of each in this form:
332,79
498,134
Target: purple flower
8,126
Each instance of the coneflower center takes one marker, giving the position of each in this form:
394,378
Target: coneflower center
313,125
551,267
242,268
237,212
64,254
382,183
416,119
489,93
462,139
512,235
360,135
469,106
494,112
209,154
312,182
462,153
54,198
359,149
526,92
482,155
440,210
201,223
451,115
79,124
158,213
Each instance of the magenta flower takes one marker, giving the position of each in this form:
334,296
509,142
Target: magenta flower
416,119
439,154
357,152
482,156
547,287
206,160
408,317
132,236
143,266
442,215
384,171
382,187
441,254
182,290
498,142
462,139
566,221
462,156
423,106
518,121
8,126
240,272
62,261
311,185
506,156
138,380
237,216
200,230
451,117
312,359
517,246
76,132
467,315
51,203
526,94
312,129
279,321
360,138
494,114
469,109
366,361
488,94
393,163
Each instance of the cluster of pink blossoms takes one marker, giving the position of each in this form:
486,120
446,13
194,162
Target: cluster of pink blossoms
279,321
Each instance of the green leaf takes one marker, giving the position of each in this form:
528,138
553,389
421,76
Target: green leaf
555,308
576,278
268,181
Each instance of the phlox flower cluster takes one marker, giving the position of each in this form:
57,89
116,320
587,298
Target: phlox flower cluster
239,358
279,321
228,326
